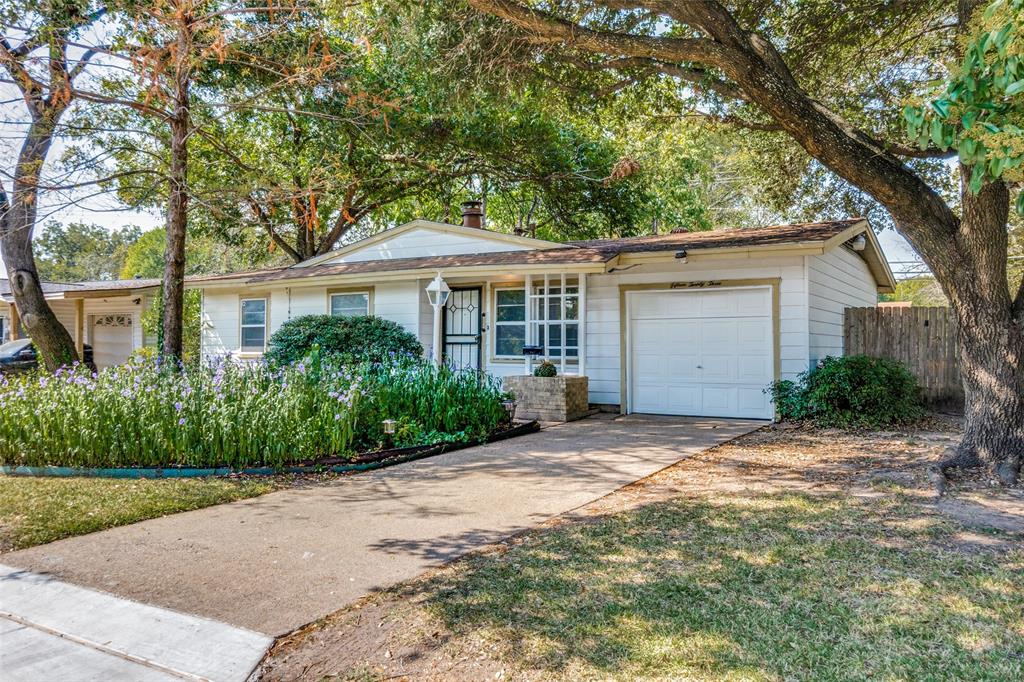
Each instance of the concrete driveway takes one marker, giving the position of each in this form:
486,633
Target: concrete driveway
277,562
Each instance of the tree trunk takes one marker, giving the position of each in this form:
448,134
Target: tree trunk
51,337
991,341
990,360
177,223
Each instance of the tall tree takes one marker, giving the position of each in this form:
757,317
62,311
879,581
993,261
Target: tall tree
374,143
43,62
80,252
779,67
173,44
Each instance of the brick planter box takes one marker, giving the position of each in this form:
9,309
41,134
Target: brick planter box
549,399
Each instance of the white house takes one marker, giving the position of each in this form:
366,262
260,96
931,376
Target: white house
683,323
106,315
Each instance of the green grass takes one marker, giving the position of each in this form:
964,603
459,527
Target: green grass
34,511
768,587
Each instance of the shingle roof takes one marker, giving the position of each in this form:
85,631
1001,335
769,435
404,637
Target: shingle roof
75,287
754,236
578,252
560,256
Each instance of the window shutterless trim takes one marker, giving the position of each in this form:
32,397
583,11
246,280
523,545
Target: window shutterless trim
495,288
242,348
368,290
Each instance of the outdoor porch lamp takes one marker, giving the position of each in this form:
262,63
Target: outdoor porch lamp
437,293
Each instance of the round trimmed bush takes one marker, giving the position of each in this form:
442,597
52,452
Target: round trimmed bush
855,390
365,337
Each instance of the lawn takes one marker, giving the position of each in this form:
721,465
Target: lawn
754,562
34,511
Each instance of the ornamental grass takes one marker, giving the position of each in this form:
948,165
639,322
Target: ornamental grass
235,414
147,415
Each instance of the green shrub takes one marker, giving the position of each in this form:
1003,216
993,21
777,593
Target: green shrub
851,391
355,338
431,403
546,369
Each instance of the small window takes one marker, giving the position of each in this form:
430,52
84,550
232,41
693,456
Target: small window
350,304
509,322
254,324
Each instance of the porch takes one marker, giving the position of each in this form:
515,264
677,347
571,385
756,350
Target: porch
507,324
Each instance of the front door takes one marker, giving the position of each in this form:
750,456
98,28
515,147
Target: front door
462,318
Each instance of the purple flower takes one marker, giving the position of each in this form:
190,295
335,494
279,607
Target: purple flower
178,406
181,422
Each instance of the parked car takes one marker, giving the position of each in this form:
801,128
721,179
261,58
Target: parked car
20,356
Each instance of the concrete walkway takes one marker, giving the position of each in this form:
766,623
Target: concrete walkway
277,562
50,631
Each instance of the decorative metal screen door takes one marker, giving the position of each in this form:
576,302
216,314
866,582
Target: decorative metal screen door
462,318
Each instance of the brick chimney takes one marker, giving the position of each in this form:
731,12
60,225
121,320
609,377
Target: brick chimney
473,214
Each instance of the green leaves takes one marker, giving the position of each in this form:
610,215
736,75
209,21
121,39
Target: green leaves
979,109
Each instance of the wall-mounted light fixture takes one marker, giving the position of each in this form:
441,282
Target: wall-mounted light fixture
681,256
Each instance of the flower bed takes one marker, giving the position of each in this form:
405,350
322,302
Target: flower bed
237,415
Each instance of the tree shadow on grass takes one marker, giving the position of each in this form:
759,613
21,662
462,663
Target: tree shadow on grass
765,586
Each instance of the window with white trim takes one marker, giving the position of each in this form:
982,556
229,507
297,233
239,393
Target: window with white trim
509,322
350,303
254,324
554,319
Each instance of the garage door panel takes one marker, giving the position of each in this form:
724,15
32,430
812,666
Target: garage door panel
681,368
717,304
717,361
651,398
645,338
683,399
753,333
718,401
751,402
719,368
650,368
717,333
752,369
752,302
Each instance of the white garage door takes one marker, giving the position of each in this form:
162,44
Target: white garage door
702,353
111,339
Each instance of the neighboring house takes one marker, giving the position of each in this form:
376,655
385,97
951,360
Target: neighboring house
107,315
683,323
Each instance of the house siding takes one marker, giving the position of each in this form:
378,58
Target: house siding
813,291
424,242
394,301
837,280
603,314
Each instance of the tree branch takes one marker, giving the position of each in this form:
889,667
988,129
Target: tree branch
759,71
548,28
264,219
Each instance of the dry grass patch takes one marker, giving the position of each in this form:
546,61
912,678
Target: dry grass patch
782,555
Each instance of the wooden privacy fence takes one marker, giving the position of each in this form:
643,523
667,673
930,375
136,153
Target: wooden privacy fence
923,339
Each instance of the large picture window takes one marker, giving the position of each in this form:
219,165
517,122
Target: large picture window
350,303
254,324
554,319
